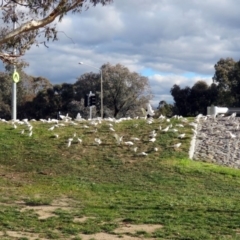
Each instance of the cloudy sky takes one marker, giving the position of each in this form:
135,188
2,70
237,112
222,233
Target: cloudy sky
169,41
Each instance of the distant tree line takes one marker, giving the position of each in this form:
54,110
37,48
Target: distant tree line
124,94
224,91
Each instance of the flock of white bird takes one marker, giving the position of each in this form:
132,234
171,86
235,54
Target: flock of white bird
86,124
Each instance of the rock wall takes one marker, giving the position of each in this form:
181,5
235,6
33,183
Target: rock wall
217,141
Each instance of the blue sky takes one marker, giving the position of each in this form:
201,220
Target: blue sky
169,41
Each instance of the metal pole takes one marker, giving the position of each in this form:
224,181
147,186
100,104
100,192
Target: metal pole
14,85
90,112
90,108
101,94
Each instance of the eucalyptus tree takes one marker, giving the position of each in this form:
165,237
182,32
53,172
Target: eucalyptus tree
34,20
27,90
182,104
224,78
195,100
5,93
125,92
165,109
199,98
235,84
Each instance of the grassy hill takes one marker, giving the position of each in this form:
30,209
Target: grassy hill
92,188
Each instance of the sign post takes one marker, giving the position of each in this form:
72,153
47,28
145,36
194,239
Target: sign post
90,101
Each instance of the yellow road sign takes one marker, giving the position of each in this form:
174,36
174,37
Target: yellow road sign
16,77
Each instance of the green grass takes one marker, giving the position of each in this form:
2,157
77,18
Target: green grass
110,184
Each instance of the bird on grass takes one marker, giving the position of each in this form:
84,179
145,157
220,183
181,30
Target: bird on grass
118,138
179,125
111,129
194,131
51,128
231,135
193,124
165,129
30,127
162,117
69,142
177,145
143,154
98,141
135,149
135,138
181,135
129,143
152,140
153,133
79,140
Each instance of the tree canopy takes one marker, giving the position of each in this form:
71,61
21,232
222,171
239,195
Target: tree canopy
33,19
124,92
223,92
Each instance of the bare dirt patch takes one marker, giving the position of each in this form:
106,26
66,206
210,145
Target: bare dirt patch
13,234
105,236
123,232
47,211
130,228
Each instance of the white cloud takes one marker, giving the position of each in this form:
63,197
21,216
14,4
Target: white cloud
169,37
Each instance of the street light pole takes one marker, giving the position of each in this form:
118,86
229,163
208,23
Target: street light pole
100,70
14,84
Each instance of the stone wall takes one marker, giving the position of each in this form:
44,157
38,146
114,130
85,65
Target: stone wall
215,144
